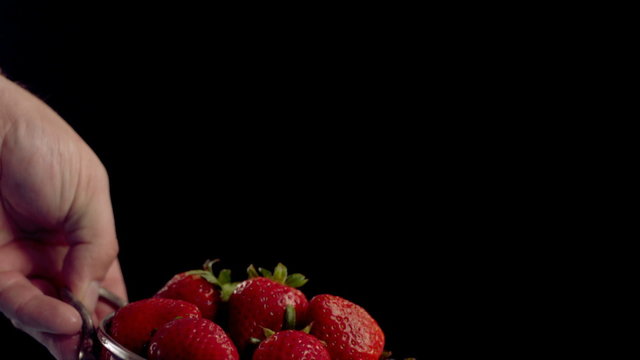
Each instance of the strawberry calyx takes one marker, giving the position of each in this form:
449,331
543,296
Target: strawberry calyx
289,324
223,280
307,330
267,334
279,275
289,318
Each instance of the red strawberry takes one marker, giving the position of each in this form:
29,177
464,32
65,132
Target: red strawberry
291,345
348,330
260,302
200,287
194,289
133,325
191,339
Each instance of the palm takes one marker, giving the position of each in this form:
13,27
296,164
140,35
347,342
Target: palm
37,195
40,178
36,256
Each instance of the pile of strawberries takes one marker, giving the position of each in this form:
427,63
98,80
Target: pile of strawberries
268,319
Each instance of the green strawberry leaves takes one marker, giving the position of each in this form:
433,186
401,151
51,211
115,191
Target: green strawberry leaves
223,280
279,274
289,318
296,280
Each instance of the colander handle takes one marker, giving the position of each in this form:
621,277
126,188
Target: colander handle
88,348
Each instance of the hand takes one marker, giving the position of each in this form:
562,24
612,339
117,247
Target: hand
56,223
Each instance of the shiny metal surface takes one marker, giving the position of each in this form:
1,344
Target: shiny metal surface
88,334
96,343
110,298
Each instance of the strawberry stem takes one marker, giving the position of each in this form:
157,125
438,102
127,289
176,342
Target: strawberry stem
208,265
251,270
223,280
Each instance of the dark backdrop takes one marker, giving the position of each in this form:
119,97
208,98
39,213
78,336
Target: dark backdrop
254,143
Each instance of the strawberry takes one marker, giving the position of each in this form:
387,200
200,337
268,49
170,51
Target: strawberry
200,287
191,339
133,325
261,302
194,289
291,345
348,330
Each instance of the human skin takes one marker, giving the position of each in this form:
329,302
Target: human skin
56,223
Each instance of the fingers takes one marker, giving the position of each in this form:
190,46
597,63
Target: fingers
92,238
17,256
26,304
114,282
62,347
33,258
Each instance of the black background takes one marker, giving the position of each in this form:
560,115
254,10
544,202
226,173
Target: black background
256,140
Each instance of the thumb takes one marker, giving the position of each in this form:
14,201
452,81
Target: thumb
62,347
24,303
